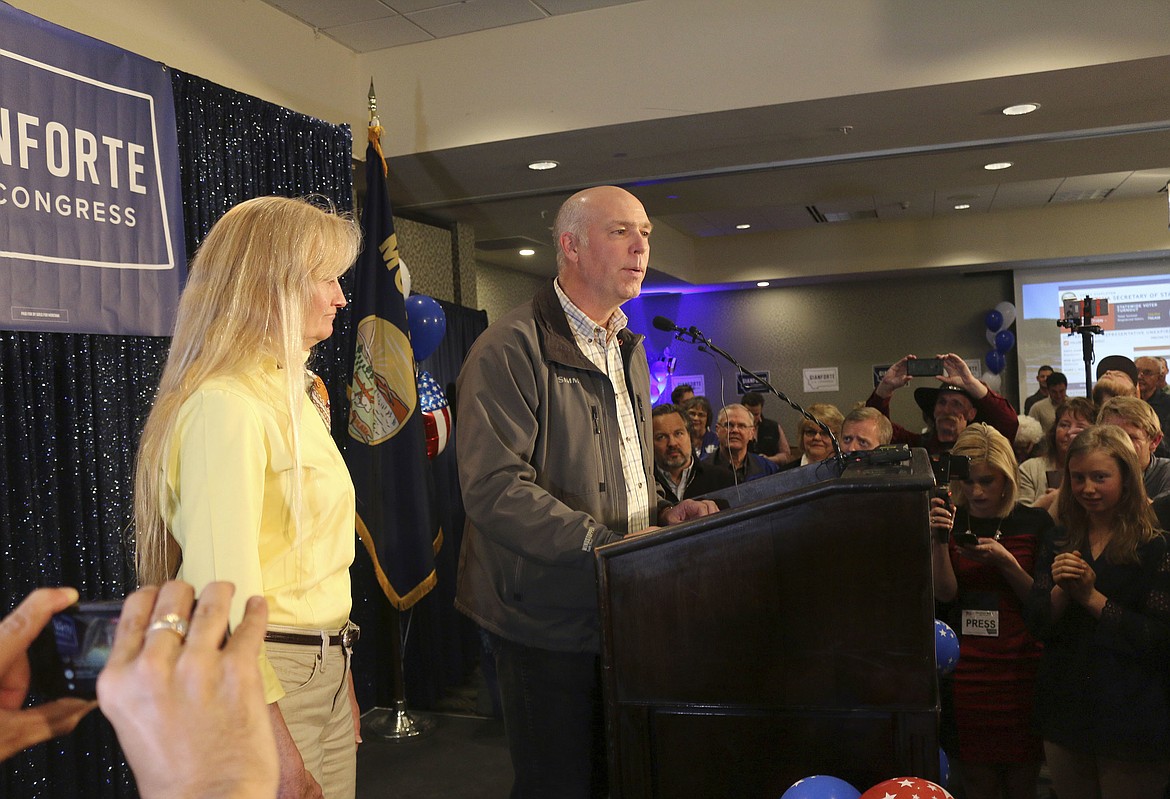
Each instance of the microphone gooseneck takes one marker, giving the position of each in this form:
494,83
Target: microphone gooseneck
696,336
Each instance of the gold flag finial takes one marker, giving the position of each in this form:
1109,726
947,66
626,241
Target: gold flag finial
373,105
375,130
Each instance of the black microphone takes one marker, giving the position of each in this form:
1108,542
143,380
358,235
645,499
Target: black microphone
662,323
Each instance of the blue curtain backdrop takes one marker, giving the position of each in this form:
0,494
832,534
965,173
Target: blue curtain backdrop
72,408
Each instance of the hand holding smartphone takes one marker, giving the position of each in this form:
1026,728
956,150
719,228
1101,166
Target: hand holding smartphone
71,651
966,538
924,367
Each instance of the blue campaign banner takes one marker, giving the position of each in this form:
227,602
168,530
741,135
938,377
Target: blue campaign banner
91,225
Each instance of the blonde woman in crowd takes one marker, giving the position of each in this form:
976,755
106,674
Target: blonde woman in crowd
985,548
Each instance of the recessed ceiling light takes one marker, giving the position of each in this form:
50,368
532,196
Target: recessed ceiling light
995,165
1020,109
962,206
744,226
540,166
526,252
763,284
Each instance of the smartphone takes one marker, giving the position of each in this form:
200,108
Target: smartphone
71,651
924,367
966,538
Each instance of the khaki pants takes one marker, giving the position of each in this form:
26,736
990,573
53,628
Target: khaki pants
317,711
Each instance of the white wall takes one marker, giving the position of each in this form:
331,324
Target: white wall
245,45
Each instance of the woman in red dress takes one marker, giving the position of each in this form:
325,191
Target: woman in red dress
984,551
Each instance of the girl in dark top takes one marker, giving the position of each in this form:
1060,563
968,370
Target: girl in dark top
987,572
1101,605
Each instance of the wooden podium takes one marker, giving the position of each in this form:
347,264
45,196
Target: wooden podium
788,636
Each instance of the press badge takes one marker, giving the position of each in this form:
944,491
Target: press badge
981,622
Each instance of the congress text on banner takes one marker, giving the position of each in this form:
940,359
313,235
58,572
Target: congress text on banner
91,232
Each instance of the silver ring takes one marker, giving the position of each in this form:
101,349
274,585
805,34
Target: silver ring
173,622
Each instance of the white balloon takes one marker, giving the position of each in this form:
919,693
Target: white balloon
991,380
991,334
1008,311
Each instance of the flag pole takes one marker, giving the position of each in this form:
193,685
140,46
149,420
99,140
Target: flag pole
393,723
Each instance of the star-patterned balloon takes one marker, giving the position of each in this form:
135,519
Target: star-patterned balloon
946,647
907,788
436,412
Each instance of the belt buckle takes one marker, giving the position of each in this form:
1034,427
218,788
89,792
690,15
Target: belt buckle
350,634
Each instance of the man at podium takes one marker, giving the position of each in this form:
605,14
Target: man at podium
555,459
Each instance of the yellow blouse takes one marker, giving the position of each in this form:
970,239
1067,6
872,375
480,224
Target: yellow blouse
227,480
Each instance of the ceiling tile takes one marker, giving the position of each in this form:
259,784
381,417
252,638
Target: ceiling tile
333,13
1025,194
378,34
1088,188
474,15
555,7
891,208
1142,184
409,6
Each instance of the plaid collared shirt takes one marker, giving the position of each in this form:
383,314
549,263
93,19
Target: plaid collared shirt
600,345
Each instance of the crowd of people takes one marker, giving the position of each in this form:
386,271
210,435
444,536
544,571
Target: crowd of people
1049,558
1049,562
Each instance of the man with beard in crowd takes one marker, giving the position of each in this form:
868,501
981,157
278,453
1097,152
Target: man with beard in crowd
677,470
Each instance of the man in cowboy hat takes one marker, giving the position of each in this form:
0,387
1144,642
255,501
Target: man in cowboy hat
958,400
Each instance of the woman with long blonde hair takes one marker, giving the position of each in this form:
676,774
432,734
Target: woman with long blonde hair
239,480
1100,604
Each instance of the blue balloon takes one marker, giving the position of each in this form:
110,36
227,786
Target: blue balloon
944,768
1004,341
995,361
821,786
946,647
993,320
428,324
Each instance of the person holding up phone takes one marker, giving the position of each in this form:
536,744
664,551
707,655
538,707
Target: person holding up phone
986,570
958,400
22,727
188,708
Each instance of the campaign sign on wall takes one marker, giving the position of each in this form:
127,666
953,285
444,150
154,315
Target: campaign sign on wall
91,227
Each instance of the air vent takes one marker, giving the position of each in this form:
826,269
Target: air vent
508,243
820,216
1080,196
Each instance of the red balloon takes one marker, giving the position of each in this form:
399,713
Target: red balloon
907,788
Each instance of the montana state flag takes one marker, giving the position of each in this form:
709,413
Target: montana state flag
386,453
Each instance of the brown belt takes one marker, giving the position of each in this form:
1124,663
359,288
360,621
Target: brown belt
346,637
